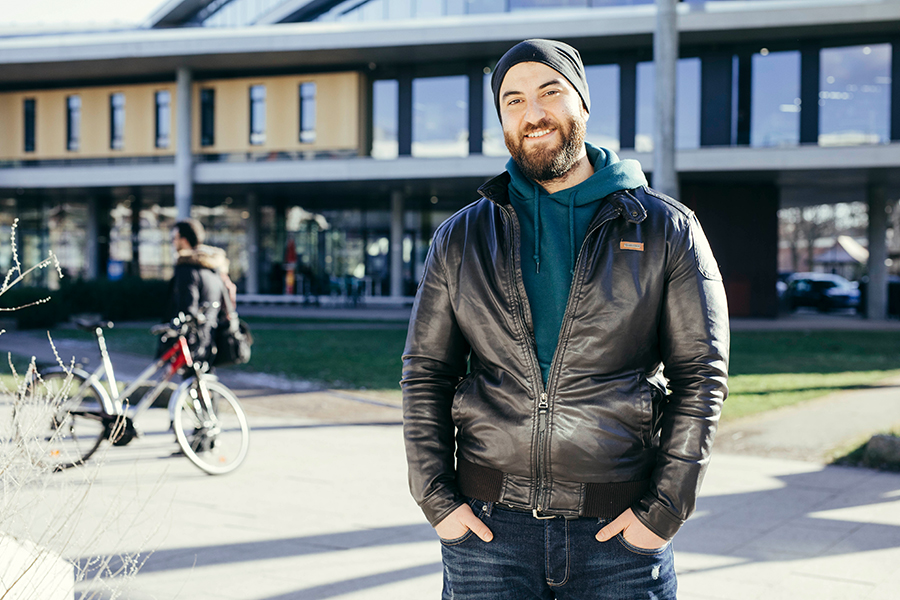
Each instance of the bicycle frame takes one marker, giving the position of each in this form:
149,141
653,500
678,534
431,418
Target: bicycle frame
114,403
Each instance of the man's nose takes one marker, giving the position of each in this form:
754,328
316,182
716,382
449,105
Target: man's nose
534,112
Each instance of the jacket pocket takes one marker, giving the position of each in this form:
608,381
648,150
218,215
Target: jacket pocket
647,406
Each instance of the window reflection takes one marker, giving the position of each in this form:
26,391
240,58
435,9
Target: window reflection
854,95
492,140
257,115
440,116
687,105
531,4
388,10
117,121
384,119
603,124
775,99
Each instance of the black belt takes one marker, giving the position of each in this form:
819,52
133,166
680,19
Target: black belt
601,500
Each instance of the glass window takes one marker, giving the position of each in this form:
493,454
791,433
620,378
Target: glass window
775,99
307,113
493,143
603,124
440,116
855,95
399,9
531,4
479,7
687,105
207,117
117,121
385,110
425,9
163,119
257,115
73,122
29,124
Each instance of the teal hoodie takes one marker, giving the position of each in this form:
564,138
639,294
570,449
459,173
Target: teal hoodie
551,243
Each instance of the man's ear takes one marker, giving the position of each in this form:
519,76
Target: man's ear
585,113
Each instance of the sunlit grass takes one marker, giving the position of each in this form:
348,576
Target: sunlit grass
769,369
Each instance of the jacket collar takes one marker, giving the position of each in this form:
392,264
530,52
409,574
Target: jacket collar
625,202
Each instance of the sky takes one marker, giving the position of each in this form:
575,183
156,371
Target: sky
40,13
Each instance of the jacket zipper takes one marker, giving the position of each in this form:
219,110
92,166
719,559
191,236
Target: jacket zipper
540,392
564,329
541,452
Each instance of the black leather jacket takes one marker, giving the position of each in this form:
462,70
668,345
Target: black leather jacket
646,292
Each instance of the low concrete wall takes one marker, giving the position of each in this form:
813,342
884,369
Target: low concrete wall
29,572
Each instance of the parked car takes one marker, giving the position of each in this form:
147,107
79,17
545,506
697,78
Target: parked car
822,291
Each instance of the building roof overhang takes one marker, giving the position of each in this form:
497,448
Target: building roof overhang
157,53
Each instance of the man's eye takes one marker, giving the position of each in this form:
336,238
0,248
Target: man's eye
513,101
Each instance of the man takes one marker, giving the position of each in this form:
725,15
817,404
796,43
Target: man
535,356
198,285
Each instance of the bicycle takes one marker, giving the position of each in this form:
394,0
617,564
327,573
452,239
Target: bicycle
76,413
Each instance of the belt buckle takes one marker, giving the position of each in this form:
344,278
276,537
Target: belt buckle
535,514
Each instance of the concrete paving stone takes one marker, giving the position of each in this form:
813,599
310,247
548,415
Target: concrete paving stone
884,591
720,585
687,563
870,567
820,588
801,538
862,508
717,537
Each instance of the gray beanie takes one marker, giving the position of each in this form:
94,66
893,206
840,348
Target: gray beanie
560,57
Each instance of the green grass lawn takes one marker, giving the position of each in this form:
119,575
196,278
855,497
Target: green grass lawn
768,369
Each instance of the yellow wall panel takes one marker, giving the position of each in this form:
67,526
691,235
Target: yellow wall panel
95,122
338,118
11,129
50,125
337,113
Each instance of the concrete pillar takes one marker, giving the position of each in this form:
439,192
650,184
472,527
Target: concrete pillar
396,244
134,266
252,279
184,160
665,59
93,245
876,293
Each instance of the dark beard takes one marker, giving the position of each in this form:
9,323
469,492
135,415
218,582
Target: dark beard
547,164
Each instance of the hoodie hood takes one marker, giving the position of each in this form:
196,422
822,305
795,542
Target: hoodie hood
207,257
610,175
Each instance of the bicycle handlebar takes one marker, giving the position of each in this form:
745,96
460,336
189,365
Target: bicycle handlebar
183,323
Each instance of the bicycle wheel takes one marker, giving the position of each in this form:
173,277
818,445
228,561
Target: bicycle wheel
59,423
215,435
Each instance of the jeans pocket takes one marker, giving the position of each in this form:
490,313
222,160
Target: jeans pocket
641,551
457,541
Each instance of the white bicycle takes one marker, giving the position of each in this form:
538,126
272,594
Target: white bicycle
70,412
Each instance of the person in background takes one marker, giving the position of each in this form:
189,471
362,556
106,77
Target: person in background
198,285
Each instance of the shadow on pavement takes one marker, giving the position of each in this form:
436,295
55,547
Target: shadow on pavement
830,512
330,590
206,556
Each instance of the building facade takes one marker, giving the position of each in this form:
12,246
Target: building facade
322,142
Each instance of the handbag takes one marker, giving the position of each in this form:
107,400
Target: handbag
233,339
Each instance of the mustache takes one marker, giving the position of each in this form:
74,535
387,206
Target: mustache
540,126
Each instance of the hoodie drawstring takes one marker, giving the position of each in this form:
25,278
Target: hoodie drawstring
537,229
572,231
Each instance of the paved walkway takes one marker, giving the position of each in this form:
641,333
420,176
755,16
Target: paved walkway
320,509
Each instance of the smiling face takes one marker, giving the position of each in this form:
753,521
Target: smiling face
544,121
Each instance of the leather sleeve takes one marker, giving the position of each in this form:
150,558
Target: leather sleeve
434,362
694,342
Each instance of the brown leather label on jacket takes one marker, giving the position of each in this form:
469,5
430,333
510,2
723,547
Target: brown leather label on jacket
639,246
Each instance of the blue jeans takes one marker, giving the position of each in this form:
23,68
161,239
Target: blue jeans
546,559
